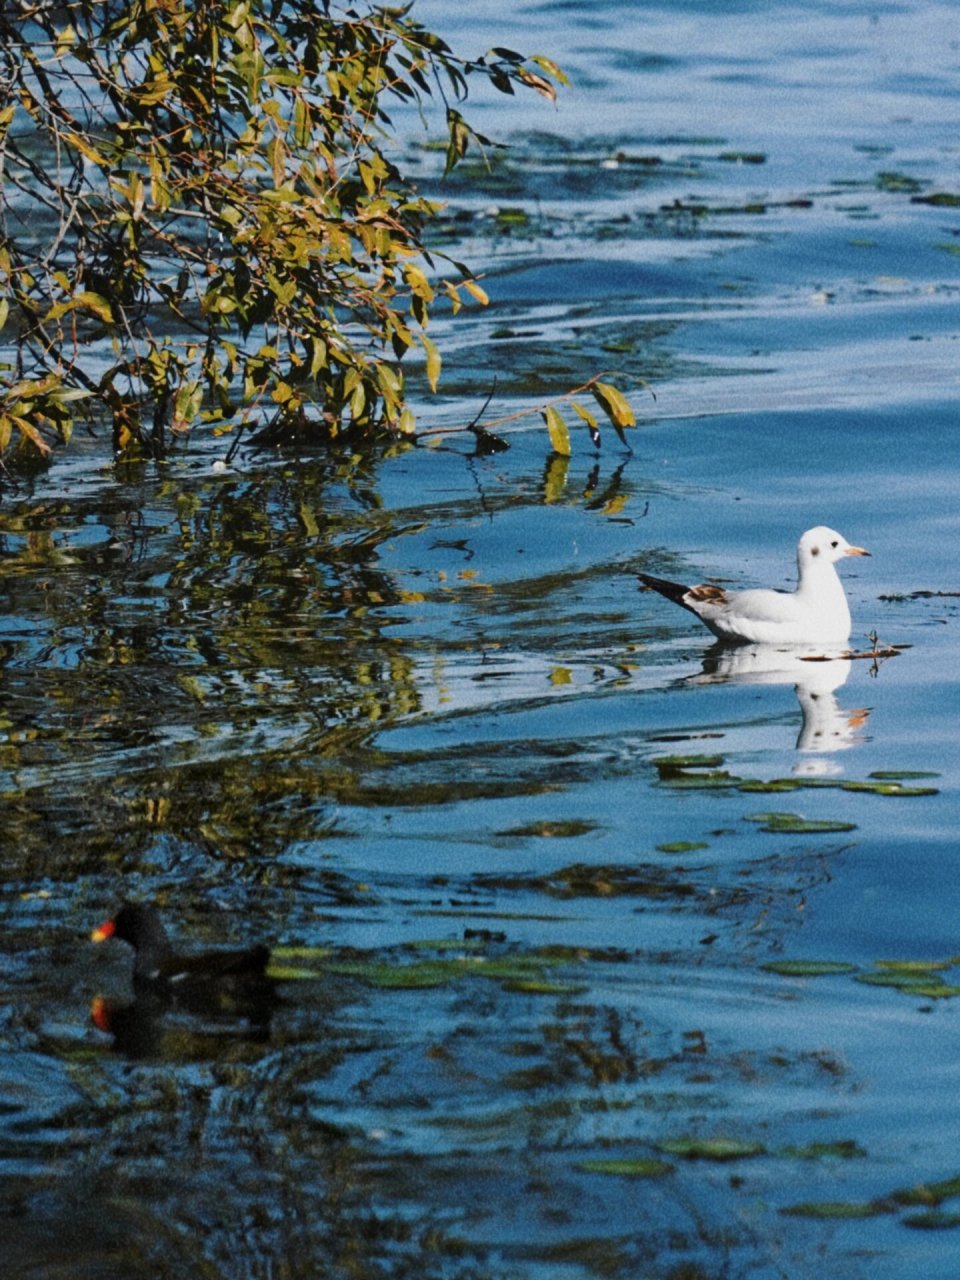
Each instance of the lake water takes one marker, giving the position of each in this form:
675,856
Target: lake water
597,959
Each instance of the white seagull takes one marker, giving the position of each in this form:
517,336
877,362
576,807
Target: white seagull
815,613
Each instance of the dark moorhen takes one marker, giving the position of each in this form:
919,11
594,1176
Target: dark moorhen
157,968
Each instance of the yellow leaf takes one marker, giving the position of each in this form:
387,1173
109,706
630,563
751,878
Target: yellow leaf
29,432
541,85
418,282
585,414
475,291
551,68
614,405
85,148
433,361
557,429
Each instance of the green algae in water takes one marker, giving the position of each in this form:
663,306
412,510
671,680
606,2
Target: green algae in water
808,968
643,1167
719,1149
793,824
682,846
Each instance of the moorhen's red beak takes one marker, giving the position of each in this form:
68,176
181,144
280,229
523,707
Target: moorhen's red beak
105,931
100,1014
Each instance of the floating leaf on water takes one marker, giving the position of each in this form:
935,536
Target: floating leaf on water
844,1149
743,157
925,985
446,944
914,966
699,781
902,775
808,968
793,824
542,987
775,785
290,973
940,199
711,1148
565,829
888,789
642,1167
400,977
682,846
928,1193
932,1220
687,762
836,1209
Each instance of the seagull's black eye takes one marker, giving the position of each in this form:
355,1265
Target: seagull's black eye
834,544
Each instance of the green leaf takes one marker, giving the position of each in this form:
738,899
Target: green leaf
720,1149
640,1167
834,1209
808,968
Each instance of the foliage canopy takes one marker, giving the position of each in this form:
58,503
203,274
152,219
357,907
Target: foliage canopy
200,220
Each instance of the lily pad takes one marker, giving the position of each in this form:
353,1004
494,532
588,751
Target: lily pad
932,1220
889,789
541,987
929,1193
835,1209
925,984
902,775
793,824
712,781
721,1149
400,977
775,786
643,1167
808,968
692,761
553,829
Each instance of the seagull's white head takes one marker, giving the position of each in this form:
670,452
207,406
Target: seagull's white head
823,545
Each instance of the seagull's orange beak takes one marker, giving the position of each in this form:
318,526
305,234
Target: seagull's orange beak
105,931
857,551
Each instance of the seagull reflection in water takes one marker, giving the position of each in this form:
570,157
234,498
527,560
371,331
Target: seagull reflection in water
816,676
